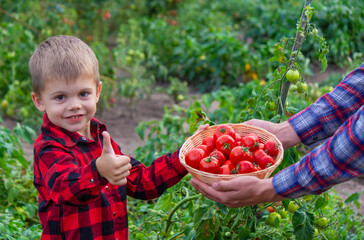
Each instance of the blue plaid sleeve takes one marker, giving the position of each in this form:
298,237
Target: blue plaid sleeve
321,119
339,159
337,120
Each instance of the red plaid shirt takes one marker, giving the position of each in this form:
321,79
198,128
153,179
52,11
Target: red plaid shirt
74,201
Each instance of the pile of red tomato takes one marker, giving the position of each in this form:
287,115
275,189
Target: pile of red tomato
228,152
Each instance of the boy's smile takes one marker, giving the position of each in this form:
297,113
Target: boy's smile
70,105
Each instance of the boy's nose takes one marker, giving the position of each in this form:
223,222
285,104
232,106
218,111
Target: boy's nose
74,104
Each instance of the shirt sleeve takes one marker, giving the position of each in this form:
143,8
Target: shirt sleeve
65,181
321,119
150,182
339,159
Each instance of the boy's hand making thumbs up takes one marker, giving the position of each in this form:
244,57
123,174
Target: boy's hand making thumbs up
115,168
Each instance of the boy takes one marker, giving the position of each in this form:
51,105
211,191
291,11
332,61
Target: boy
80,173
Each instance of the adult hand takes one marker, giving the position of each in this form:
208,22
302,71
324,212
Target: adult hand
115,168
239,192
283,131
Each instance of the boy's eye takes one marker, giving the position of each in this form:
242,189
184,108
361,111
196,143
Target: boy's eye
60,97
84,94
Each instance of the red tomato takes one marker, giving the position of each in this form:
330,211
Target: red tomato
266,161
194,157
219,156
271,209
223,129
245,167
205,149
261,146
255,136
226,169
263,159
224,144
238,139
271,148
210,164
209,142
239,153
258,154
227,162
251,142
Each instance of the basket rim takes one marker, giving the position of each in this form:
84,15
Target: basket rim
265,171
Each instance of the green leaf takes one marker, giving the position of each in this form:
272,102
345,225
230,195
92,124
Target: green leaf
352,198
196,117
278,53
321,201
244,232
164,202
292,110
303,222
204,231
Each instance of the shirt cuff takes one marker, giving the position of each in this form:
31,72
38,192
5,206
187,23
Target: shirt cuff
177,163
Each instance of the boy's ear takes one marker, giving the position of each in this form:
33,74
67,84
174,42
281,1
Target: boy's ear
98,91
38,102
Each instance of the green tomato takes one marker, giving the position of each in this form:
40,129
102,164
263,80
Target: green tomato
301,87
292,75
180,97
4,104
271,106
227,234
293,88
321,222
308,197
283,213
252,102
316,232
292,207
271,219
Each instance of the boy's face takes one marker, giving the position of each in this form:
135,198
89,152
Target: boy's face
70,106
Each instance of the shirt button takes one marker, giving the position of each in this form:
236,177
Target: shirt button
91,180
114,214
107,187
83,138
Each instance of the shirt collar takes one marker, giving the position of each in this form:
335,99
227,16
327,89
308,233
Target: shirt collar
70,139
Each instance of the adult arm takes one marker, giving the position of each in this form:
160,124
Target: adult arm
340,158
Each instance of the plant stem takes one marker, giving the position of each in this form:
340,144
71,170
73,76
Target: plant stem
296,46
174,209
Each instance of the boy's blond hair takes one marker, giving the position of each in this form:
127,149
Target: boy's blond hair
62,58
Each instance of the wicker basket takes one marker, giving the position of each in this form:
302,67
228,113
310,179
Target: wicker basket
197,138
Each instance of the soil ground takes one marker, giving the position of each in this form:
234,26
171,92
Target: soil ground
122,119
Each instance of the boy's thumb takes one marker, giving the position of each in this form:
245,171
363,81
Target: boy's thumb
107,147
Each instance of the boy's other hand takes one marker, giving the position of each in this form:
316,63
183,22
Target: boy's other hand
115,168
